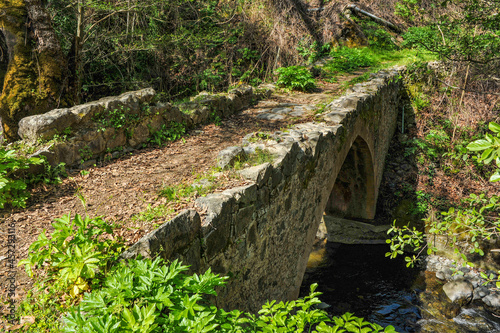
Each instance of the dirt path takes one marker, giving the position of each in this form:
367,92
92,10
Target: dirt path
119,189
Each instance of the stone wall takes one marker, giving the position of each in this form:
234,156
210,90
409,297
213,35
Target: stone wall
261,234
87,139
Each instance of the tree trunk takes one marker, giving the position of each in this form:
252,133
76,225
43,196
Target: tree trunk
36,77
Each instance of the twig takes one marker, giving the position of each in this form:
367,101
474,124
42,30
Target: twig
470,91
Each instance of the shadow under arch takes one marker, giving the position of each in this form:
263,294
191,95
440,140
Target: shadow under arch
354,195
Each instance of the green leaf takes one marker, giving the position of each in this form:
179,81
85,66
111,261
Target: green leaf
494,127
479,145
495,177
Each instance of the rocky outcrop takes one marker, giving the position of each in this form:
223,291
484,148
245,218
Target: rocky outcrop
464,284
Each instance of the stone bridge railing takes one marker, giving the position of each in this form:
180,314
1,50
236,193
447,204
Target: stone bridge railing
261,234
87,139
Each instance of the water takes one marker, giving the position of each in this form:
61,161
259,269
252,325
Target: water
361,280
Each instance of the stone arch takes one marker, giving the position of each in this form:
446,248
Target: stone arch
354,194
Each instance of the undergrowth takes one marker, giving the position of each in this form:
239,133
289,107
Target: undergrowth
453,149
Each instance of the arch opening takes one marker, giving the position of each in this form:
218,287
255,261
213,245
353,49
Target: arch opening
353,194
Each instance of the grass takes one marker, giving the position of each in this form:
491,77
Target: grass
152,214
259,157
346,61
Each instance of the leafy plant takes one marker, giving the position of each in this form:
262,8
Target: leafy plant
465,229
12,188
490,146
75,252
50,175
173,132
150,296
348,59
403,238
469,35
313,51
115,118
295,78
85,154
214,118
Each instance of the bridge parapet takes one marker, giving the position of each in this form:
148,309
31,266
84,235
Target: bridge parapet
261,234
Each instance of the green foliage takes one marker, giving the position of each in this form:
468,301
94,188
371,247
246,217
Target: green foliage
465,229
381,39
403,238
73,260
176,193
85,154
116,118
260,156
295,78
50,175
170,133
490,147
469,34
378,38
349,59
468,226
177,46
149,296
214,118
312,52
153,213
350,323
12,189
358,79
75,252
45,302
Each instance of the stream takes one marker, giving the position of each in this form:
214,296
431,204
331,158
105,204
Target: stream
361,280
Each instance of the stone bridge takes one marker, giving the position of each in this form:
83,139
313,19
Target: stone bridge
261,234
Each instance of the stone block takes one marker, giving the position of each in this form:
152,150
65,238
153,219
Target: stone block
115,138
236,101
459,291
216,228
335,117
243,195
259,174
46,125
173,237
139,135
154,123
227,157
86,112
97,144
242,220
48,153
66,153
200,116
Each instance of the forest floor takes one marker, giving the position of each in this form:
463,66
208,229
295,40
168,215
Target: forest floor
123,188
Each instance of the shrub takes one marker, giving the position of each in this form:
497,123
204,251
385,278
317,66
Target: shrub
346,59
149,296
170,133
74,253
296,78
12,189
